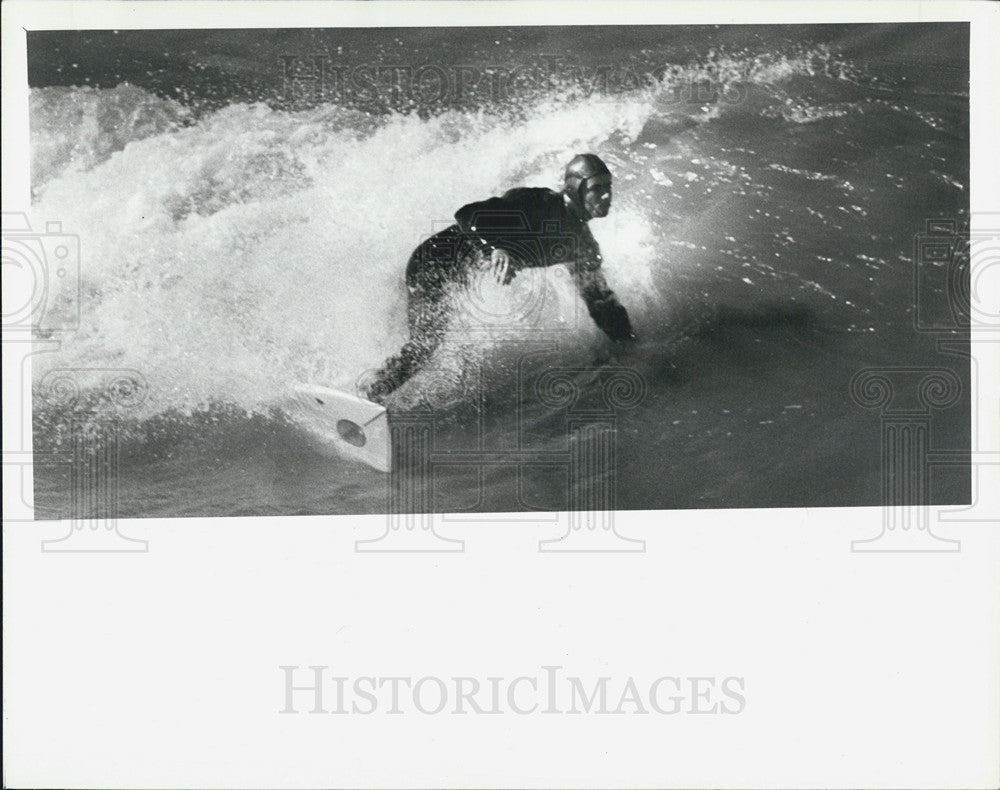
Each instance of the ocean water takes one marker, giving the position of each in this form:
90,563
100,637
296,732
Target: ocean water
243,227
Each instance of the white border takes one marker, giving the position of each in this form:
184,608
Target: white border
161,669
178,14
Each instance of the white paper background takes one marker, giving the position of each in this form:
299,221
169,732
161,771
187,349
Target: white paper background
161,669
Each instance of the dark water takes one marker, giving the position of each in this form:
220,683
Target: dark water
244,226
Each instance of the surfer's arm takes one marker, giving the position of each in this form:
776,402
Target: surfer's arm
602,304
469,218
490,223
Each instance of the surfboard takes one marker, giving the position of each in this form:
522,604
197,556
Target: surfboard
355,428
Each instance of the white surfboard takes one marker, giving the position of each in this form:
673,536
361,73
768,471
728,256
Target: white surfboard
354,427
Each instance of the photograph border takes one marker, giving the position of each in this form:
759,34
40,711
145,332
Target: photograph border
830,574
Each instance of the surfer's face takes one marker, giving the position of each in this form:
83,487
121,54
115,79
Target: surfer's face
597,196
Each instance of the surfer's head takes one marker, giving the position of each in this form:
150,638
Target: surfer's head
587,184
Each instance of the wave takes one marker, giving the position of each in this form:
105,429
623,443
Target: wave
227,255
78,128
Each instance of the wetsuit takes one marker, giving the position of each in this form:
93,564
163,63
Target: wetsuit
536,228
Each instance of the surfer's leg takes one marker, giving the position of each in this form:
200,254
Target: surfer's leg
428,321
396,370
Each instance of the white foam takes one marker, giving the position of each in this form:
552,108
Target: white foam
228,255
257,247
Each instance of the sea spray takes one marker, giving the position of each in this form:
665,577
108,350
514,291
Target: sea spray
228,255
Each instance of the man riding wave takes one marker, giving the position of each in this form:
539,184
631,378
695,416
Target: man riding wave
495,228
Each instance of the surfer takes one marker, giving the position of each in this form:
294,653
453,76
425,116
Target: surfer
526,227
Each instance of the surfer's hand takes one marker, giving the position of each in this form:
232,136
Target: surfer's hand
502,271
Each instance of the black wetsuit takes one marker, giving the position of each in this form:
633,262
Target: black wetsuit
536,228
